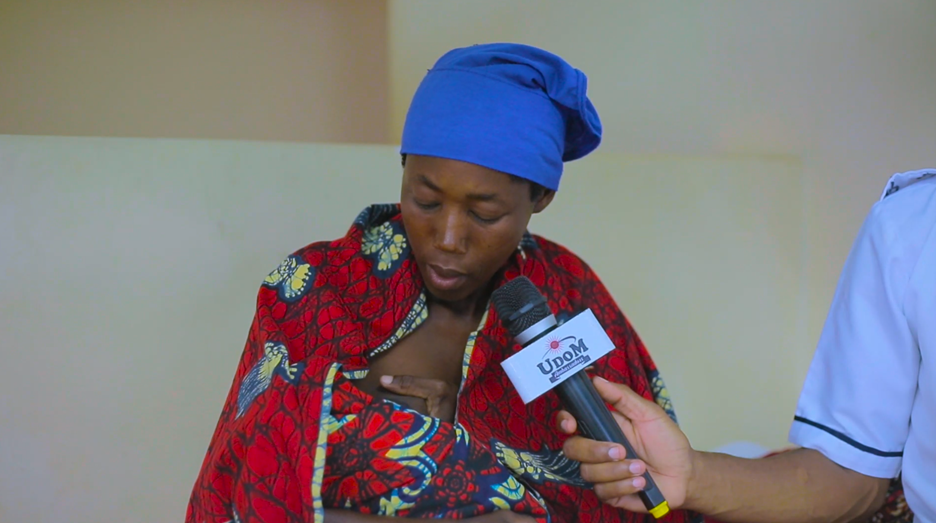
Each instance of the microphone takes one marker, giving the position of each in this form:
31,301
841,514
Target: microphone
555,356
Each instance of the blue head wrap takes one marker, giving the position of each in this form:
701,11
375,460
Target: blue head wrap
508,107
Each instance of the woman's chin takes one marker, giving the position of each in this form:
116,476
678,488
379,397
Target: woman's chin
447,295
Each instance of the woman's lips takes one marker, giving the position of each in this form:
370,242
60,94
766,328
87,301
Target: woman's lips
444,278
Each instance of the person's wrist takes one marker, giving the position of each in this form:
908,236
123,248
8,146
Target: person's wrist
694,481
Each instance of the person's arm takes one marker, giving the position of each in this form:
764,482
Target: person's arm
799,486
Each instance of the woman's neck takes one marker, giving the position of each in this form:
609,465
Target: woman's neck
468,309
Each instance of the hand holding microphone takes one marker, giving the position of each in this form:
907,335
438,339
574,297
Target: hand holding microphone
655,437
556,356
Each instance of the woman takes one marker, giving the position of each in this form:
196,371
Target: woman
370,385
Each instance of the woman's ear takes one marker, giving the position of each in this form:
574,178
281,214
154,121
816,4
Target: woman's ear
544,200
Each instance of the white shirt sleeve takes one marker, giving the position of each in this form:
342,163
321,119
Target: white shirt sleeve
856,402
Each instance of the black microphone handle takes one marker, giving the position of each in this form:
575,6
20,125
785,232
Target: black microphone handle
595,421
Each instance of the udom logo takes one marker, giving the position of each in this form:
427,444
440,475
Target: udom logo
563,355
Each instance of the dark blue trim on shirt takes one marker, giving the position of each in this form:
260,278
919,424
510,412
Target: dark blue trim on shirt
846,439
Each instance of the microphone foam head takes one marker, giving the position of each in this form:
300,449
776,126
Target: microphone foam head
520,305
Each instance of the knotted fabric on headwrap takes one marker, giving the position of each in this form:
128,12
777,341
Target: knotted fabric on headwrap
508,107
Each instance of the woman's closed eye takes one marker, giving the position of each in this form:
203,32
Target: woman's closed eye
426,206
485,218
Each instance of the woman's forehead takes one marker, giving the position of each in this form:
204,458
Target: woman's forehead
447,175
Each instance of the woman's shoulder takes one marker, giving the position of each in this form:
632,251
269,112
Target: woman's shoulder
557,257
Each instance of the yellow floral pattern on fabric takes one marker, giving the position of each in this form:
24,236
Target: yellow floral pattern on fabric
291,279
386,246
510,489
539,467
500,489
391,504
275,360
409,453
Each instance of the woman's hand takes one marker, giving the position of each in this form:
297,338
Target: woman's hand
441,397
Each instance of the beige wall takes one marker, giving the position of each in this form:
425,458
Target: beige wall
128,275
845,85
292,70
705,256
